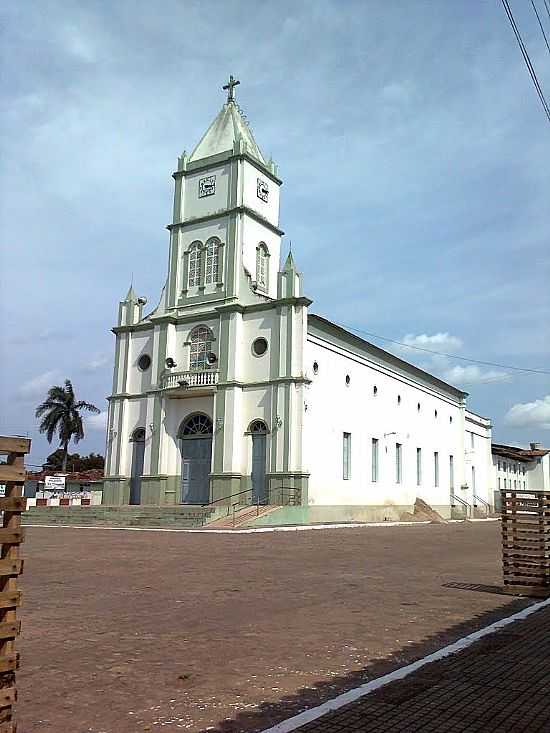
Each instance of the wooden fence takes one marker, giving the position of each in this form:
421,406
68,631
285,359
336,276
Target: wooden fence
526,542
12,474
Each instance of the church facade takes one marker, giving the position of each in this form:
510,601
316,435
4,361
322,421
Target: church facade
231,390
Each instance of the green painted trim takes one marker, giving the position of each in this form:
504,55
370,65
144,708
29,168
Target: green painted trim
289,338
231,308
173,271
231,254
224,347
287,430
198,299
274,433
117,364
135,327
226,212
177,199
219,433
163,340
155,443
264,383
119,436
211,160
266,305
233,184
275,348
320,327
125,363
185,276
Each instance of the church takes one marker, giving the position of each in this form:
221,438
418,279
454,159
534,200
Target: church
232,391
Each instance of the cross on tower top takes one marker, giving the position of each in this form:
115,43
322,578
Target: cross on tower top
231,84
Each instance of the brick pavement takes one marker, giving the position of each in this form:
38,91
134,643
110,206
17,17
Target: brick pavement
499,684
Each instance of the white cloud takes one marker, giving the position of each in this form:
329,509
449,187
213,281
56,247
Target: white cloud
97,363
437,342
472,374
527,414
97,422
37,387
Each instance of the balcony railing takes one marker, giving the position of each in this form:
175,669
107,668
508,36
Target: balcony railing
190,379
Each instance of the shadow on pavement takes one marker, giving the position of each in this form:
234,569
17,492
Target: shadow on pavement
496,589
271,712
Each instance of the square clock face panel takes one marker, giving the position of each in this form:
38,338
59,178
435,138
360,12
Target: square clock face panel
207,186
262,190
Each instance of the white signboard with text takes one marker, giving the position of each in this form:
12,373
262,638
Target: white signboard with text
54,483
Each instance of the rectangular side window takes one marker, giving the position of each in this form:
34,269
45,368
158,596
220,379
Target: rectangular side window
374,451
346,456
473,478
451,472
418,466
398,463
436,468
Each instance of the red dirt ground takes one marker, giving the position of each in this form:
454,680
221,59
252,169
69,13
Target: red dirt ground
147,631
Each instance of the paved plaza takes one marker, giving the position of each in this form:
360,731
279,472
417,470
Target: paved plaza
498,685
130,631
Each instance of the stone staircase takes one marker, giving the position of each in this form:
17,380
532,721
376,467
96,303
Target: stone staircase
242,516
184,516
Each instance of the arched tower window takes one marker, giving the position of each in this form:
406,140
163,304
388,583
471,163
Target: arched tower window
194,264
212,261
257,427
262,261
138,436
195,426
201,345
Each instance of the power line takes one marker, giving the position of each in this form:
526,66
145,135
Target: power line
547,9
449,356
526,57
540,24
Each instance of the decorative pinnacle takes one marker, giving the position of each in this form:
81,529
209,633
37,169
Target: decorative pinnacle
230,86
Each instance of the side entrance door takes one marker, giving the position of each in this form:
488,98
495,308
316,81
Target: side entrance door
138,453
259,484
196,459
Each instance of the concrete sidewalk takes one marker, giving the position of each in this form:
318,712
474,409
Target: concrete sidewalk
500,684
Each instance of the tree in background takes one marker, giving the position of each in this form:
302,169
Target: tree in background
60,413
75,462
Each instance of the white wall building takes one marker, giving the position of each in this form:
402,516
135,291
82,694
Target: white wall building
520,468
230,387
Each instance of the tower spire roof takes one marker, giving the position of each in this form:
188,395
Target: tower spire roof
228,127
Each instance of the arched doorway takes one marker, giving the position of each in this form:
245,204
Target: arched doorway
195,436
138,451
258,431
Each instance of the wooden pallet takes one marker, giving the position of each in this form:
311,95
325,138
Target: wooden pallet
526,542
12,474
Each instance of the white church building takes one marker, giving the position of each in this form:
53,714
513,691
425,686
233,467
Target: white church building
232,390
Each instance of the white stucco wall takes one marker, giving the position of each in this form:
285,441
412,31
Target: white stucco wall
193,206
249,193
334,408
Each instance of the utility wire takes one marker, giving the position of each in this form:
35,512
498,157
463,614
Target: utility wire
526,57
547,9
540,24
449,356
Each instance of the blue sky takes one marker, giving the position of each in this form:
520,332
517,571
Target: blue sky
414,152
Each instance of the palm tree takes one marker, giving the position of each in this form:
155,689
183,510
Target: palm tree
60,413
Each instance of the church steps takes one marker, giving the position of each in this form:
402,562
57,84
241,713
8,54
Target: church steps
243,517
120,516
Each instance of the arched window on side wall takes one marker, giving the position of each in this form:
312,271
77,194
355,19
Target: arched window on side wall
201,345
262,269
194,277
212,261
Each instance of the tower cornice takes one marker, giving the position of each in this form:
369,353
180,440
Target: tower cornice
226,212
197,166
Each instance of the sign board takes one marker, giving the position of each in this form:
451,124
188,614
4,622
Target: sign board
54,483
2,489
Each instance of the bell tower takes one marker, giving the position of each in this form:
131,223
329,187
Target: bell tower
224,237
